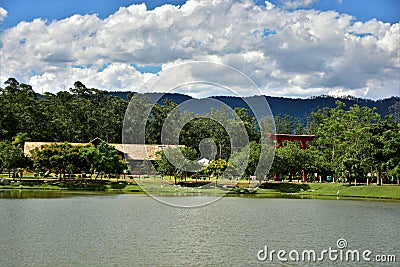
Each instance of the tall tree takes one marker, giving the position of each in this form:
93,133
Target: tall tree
179,167
11,158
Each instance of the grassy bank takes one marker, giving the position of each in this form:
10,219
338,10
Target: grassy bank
329,190
344,190
84,185
267,189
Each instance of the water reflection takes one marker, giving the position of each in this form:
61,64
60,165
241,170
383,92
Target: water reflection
25,194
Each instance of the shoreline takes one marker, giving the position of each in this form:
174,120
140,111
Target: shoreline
332,191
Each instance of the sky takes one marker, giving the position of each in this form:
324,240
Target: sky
289,48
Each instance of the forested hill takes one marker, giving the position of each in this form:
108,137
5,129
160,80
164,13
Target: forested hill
82,114
300,108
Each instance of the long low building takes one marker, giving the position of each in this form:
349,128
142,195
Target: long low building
129,151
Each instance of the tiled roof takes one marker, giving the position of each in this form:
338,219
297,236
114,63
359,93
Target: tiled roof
131,151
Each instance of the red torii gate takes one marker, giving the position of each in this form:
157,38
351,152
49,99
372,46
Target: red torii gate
293,137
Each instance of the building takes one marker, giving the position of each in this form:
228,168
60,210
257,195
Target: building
130,152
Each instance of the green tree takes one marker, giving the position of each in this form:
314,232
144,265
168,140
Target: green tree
179,167
11,158
250,156
291,160
343,138
250,123
156,121
216,168
385,147
62,158
67,159
285,124
16,109
20,139
103,159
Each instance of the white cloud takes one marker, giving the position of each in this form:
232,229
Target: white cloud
3,13
287,53
293,4
115,77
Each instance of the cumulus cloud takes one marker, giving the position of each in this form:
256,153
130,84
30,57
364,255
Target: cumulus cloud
115,76
293,4
3,13
295,53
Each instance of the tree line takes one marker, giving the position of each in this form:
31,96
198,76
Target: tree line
354,143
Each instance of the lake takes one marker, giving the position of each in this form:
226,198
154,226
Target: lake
136,230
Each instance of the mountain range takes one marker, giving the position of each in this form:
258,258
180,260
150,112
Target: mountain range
295,107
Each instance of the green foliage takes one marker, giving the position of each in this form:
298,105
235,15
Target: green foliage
11,157
350,142
250,123
79,116
20,139
179,167
216,130
256,162
290,160
288,125
65,158
156,120
60,158
103,158
217,167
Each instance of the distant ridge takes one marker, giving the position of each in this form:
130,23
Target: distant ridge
296,107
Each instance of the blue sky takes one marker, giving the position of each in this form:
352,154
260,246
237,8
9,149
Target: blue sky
384,10
27,10
290,48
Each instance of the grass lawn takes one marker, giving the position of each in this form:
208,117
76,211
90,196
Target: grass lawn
267,189
372,190
329,190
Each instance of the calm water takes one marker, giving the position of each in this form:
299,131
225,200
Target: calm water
135,230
